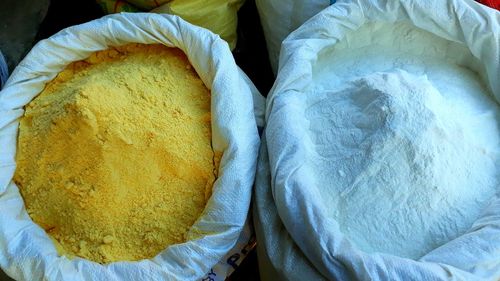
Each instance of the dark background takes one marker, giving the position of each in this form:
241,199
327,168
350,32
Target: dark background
25,22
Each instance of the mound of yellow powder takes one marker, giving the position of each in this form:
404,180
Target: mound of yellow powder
114,157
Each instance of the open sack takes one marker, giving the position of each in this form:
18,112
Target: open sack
297,238
27,252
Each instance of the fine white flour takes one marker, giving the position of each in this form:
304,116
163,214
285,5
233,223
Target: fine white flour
405,139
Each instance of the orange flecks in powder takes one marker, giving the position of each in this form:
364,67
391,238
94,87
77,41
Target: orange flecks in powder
114,157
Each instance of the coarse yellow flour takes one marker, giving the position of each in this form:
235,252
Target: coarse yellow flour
114,157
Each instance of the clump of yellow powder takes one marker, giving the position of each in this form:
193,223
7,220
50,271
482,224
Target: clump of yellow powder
114,157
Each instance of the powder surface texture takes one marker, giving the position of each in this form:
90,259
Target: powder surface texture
114,157
404,139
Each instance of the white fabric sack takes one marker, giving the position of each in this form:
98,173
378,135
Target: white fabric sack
280,17
308,236
26,251
279,256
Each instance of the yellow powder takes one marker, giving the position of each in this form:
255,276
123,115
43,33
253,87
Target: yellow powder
114,157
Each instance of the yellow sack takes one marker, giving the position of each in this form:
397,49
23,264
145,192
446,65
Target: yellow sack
219,16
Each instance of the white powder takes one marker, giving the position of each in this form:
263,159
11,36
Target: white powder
405,139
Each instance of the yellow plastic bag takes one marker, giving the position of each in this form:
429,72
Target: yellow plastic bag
116,6
219,16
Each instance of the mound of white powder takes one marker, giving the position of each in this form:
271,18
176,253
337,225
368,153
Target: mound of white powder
404,164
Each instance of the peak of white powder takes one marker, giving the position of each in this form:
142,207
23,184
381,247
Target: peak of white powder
416,168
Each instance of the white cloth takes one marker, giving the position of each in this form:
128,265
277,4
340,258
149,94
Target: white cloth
26,251
279,256
308,236
280,17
